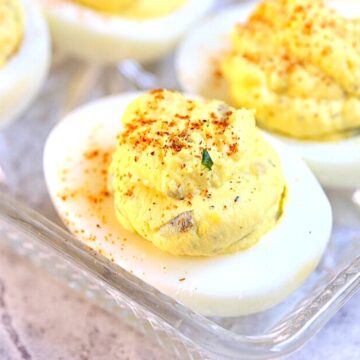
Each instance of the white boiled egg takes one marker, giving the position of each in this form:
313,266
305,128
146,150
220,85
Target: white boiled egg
22,76
77,154
348,8
336,163
104,37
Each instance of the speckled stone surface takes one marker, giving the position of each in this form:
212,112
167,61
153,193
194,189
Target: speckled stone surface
41,319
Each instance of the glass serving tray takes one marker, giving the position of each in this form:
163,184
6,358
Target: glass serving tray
30,226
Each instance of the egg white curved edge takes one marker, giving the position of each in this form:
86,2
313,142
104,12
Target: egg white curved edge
22,77
336,164
105,38
231,285
202,48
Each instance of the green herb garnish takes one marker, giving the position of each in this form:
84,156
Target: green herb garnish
206,159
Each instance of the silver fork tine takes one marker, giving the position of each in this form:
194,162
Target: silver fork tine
137,75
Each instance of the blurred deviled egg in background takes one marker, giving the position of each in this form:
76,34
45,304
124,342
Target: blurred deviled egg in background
111,31
24,56
297,63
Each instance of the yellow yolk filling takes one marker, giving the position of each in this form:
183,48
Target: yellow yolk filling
166,190
11,28
297,63
135,9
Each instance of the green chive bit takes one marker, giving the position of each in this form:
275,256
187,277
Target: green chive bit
206,159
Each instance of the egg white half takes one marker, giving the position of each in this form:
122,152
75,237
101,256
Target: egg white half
349,8
23,75
101,37
336,164
231,285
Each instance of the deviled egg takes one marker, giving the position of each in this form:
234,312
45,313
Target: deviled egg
189,196
297,63
111,31
24,56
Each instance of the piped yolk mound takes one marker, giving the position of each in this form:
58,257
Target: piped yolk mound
194,177
11,28
135,9
297,62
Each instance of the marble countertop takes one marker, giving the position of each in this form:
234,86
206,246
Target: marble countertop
41,319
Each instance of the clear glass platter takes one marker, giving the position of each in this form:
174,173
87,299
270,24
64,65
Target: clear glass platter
30,226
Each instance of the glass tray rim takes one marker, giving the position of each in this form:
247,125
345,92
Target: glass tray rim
195,329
